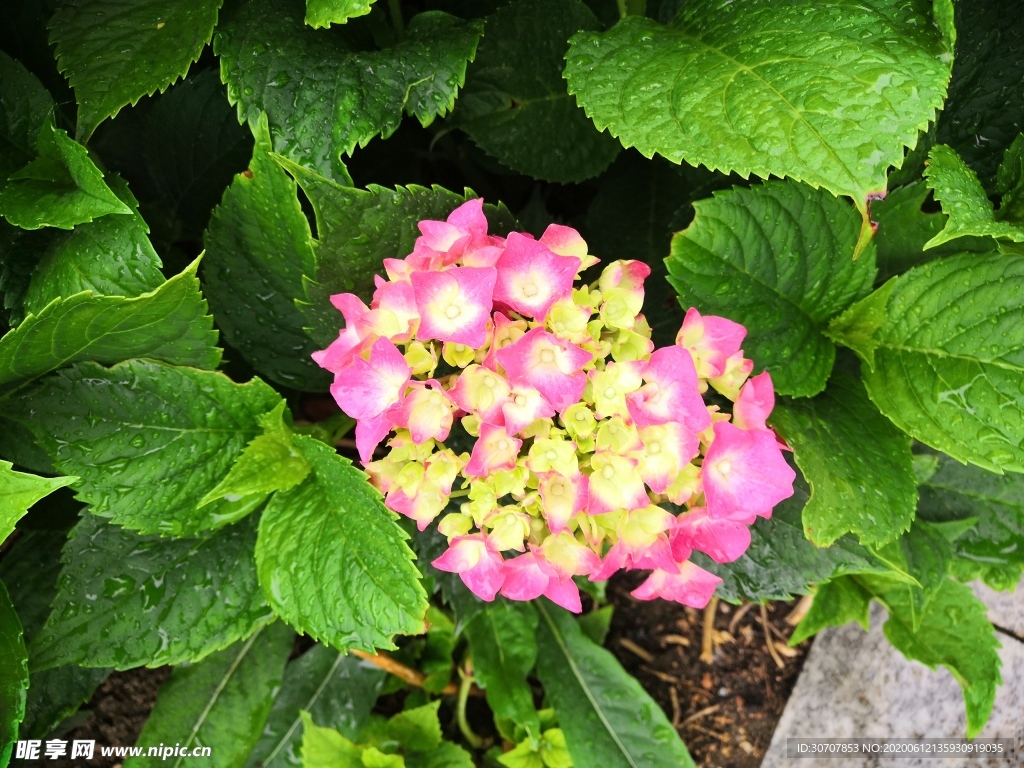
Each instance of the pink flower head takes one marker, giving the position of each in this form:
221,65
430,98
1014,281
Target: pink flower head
642,543
710,340
720,538
566,241
454,305
442,243
366,389
483,392
615,484
671,392
531,278
529,576
495,450
426,412
562,498
552,366
692,586
524,406
478,563
667,448
745,472
755,403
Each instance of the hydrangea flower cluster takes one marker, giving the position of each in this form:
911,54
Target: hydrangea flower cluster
582,429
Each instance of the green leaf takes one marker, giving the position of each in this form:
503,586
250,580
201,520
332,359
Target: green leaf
777,258
332,687
19,491
502,639
374,758
326,748
417,729
125,600
220,702
114,52
781,562
608,719
836,602
13,675
323,97
168,324
830,93
58,693
323,13
955,634
858,464
1010,183
596,624
357,228
515,105
963,200
253,273
149,441
60,188
943,346
447,755
335,523
25,107
994,547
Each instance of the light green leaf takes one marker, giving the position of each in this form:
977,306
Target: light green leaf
374,758
357,228
323,13
943,346
447,755
515,105
332,687
334,523
963,200
114,52
168,324
502,639
417,729
149,441
836,602
830,93
59,188
607,718
777,258
19,491
125,600
253,272
326,748
322,96
13,675
925,554
25,106
858,464
220,702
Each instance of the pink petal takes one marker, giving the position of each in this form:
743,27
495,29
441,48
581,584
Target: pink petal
671,393
711,340
469,217
531,278
454,305
493,451
755,403
526,577
692,586
368,388
565,593
744,471
552,366
369,433
426,412
478,563
564,241
481,392
667,448
524,406
721,539
562,498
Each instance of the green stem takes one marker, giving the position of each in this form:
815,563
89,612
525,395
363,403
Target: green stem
395,9
459,493
623,12
467,683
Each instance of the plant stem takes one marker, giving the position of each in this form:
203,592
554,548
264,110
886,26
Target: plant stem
467,683
395,9
707,653
623,12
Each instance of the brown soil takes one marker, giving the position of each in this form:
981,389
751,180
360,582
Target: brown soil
726,710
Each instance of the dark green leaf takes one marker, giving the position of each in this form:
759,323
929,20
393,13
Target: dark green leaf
220,702
515,105
830,93
596,624
943,351
60,188
608,719
323,13
57,693
778,258
168,324
25,107
335,523
114,52
19,491
13,675
322,97
836,602
126,601
336,689
258,247
858,464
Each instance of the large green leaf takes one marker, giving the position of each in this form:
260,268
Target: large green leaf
943,351
334,688
608,718
322,96
502,639
114,52
323,13
13,675
19,491
358,228
60,188
994,547
258,247
836,602
830,93
220,702
515,105
332,561
25,106
149,440
168,324
126,600
778,258
858,464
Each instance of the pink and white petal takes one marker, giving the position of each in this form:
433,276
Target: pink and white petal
692,586
711,340
564,241
369,434
755,403
526,577
744,472
722,539
494,451
523,407
565,593
454,305
531,278
614,484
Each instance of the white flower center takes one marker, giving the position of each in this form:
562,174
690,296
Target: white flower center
452,312
530,289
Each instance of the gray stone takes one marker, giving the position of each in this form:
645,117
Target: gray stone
855,684
1005,609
